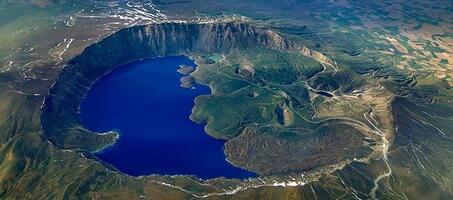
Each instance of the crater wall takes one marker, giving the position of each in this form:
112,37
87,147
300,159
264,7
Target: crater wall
59,116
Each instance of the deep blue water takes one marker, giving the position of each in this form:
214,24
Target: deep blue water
144,102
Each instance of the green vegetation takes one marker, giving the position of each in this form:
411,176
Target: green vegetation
265,102
239,101
262,96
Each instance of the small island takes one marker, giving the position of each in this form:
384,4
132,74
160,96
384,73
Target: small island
186,82
185,69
